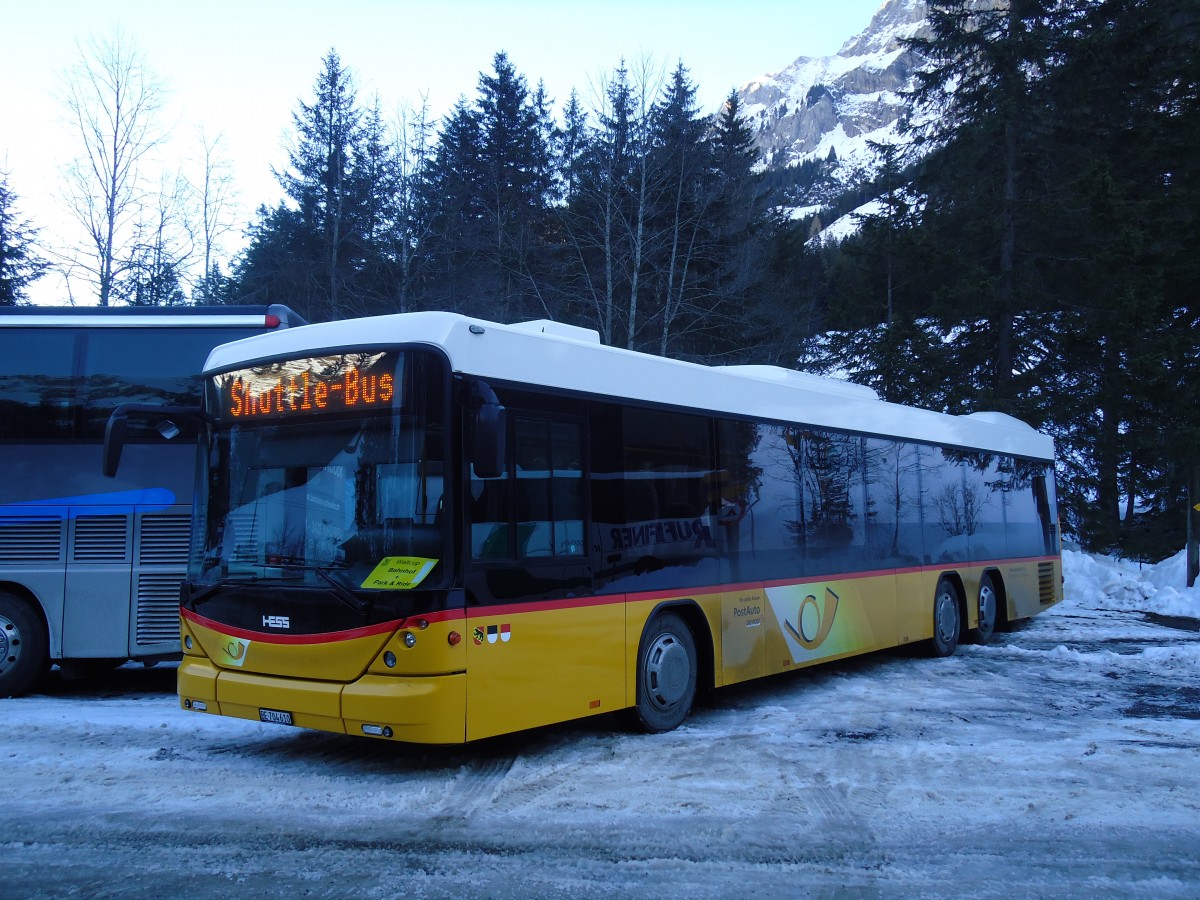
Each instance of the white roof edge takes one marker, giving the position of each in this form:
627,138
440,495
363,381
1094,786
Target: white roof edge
526,354
806,380
66,320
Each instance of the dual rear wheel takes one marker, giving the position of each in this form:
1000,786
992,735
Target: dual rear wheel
947,615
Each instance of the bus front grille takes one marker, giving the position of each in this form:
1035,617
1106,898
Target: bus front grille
25,538
158,608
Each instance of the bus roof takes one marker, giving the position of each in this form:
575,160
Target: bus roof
567,358
272,316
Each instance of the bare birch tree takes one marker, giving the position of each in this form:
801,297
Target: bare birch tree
114,101
215,202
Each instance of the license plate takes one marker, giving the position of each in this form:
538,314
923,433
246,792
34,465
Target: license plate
275,716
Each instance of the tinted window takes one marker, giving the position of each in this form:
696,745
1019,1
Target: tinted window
542,491
36,390
144,365
764,521
894,480
40,397
1028,506
654,495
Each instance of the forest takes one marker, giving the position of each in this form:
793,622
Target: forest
1034,247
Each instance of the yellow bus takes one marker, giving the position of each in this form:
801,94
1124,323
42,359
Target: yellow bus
434,529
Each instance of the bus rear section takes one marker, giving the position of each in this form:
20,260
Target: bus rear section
90,567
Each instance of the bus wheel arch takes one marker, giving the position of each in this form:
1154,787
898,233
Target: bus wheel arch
668,670
948,615
24,643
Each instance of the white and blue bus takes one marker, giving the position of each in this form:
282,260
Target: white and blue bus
90,568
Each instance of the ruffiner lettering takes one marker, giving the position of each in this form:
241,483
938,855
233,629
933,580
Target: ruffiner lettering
670,531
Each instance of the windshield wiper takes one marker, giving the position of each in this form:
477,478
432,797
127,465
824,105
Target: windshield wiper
342,592
205,594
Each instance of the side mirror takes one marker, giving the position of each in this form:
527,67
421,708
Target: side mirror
118,424
491,434
114,442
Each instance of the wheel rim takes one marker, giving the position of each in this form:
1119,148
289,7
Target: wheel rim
946,620
987,608
667,672
10,643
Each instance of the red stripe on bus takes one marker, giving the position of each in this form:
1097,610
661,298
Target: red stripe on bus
321,638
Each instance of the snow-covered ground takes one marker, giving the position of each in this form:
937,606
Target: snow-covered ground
1060,760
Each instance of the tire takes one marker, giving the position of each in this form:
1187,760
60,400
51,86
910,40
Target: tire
988,609
666,674
24,651
947,619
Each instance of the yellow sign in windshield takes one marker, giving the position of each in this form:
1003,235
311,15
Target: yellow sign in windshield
399,573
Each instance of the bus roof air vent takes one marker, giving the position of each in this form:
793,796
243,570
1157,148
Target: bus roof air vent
999,418
805,380
559,329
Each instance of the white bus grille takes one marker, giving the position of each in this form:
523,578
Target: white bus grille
100,539
164,540
158,608
24,538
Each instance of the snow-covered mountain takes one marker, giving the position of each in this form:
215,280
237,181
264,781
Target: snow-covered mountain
838,102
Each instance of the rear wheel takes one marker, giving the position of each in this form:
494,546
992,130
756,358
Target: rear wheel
947,618
666,673
988,610
24,655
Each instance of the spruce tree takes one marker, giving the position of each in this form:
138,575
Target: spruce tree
452,195
322,181
981,113
20,262
515,160
683,242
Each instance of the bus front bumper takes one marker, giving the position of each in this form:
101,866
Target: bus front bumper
415,709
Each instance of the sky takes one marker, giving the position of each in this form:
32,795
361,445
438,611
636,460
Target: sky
237,70
1059,760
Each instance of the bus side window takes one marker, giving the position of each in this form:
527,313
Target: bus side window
549,487
536,508
489,517
37,392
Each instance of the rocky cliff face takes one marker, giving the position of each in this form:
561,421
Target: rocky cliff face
838,102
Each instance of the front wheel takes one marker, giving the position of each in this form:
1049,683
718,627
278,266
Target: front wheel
947,619
666,673
24,654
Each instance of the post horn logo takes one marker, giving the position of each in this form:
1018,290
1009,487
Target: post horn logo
814,623
235,651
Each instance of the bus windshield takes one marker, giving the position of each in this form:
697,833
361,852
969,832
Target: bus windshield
334,492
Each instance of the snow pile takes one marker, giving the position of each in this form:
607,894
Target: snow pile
1123,585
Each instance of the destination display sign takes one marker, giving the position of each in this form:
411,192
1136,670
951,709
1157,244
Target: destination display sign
349,382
